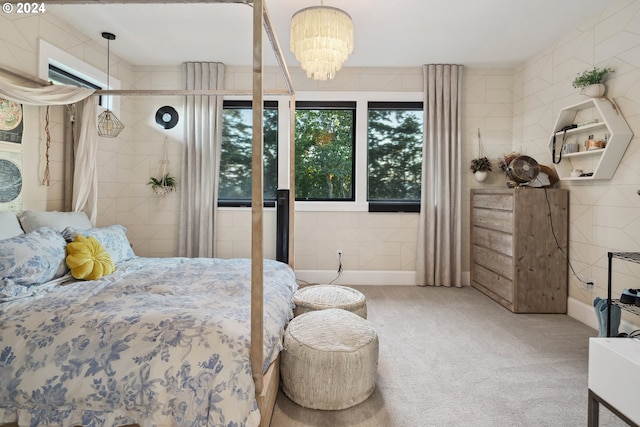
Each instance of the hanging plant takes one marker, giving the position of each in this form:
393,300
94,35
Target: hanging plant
481,164
164,185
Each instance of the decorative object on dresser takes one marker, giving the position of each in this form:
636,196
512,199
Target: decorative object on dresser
523,170
518,247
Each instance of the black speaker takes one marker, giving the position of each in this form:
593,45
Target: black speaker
282,226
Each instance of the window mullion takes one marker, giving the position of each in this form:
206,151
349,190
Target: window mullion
361,151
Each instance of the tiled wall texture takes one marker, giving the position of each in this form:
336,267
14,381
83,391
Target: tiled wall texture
604,216
514,109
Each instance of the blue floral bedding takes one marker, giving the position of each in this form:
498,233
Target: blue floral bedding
160,342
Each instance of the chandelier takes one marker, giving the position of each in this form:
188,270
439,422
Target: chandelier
321,39
108,124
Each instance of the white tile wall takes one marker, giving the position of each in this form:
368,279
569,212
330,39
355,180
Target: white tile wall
514,110
604,215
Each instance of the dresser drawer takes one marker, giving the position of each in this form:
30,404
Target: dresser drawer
497,284
502,202
494,261
493,219
494,240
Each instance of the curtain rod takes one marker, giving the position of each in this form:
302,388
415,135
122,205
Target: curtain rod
154,92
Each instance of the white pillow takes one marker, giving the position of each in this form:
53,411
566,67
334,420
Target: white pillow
113,238
9,225
58,221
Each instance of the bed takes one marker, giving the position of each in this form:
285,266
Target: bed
160,341
266,383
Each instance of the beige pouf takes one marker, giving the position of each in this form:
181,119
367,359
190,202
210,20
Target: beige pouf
322,297
330,359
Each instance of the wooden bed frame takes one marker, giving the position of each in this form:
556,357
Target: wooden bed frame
267,384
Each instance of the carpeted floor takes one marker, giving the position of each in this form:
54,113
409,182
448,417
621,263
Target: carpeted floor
453,357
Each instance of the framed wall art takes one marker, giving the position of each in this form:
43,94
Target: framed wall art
10,121
10,181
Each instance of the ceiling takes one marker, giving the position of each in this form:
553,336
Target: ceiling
401,33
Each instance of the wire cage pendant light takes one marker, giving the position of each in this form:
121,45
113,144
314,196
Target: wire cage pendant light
321,39
108,124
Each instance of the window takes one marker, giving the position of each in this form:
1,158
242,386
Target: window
325,147
62,77
235,158
394,153
58,76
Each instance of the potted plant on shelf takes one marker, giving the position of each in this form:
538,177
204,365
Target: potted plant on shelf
162,186
480,167
590,82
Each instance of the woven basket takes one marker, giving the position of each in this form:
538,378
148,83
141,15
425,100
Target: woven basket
330,359
322,297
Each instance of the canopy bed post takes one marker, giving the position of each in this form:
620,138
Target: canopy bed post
257,203
292,175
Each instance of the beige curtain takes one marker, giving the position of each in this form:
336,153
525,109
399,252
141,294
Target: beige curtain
201,160
73,114
439,257
85,176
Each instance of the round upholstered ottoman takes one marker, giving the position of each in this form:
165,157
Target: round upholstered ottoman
330,359
322,297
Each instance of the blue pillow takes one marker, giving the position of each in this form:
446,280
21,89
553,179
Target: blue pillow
113,238
31,259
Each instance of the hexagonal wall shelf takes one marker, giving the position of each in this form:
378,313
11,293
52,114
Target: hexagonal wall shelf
596,120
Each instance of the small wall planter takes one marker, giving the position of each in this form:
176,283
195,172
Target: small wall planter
594,90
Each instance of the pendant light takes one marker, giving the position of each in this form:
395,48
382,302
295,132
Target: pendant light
321,39
108,124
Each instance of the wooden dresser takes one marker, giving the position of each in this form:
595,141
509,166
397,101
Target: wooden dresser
515,259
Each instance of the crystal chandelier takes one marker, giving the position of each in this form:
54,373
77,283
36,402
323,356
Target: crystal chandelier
321,39
108,124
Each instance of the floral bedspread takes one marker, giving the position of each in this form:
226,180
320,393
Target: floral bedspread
160,342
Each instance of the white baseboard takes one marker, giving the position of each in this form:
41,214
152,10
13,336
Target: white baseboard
586,314
582,312
364,277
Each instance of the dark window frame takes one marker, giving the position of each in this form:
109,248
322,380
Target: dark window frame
68,78
391,205
336,105
247,203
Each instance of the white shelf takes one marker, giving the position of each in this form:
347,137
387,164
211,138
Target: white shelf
603,162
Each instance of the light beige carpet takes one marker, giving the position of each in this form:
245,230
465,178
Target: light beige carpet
453,357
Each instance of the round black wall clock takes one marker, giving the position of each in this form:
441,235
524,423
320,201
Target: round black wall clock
166,117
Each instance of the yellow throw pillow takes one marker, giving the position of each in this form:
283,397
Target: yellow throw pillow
87,258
